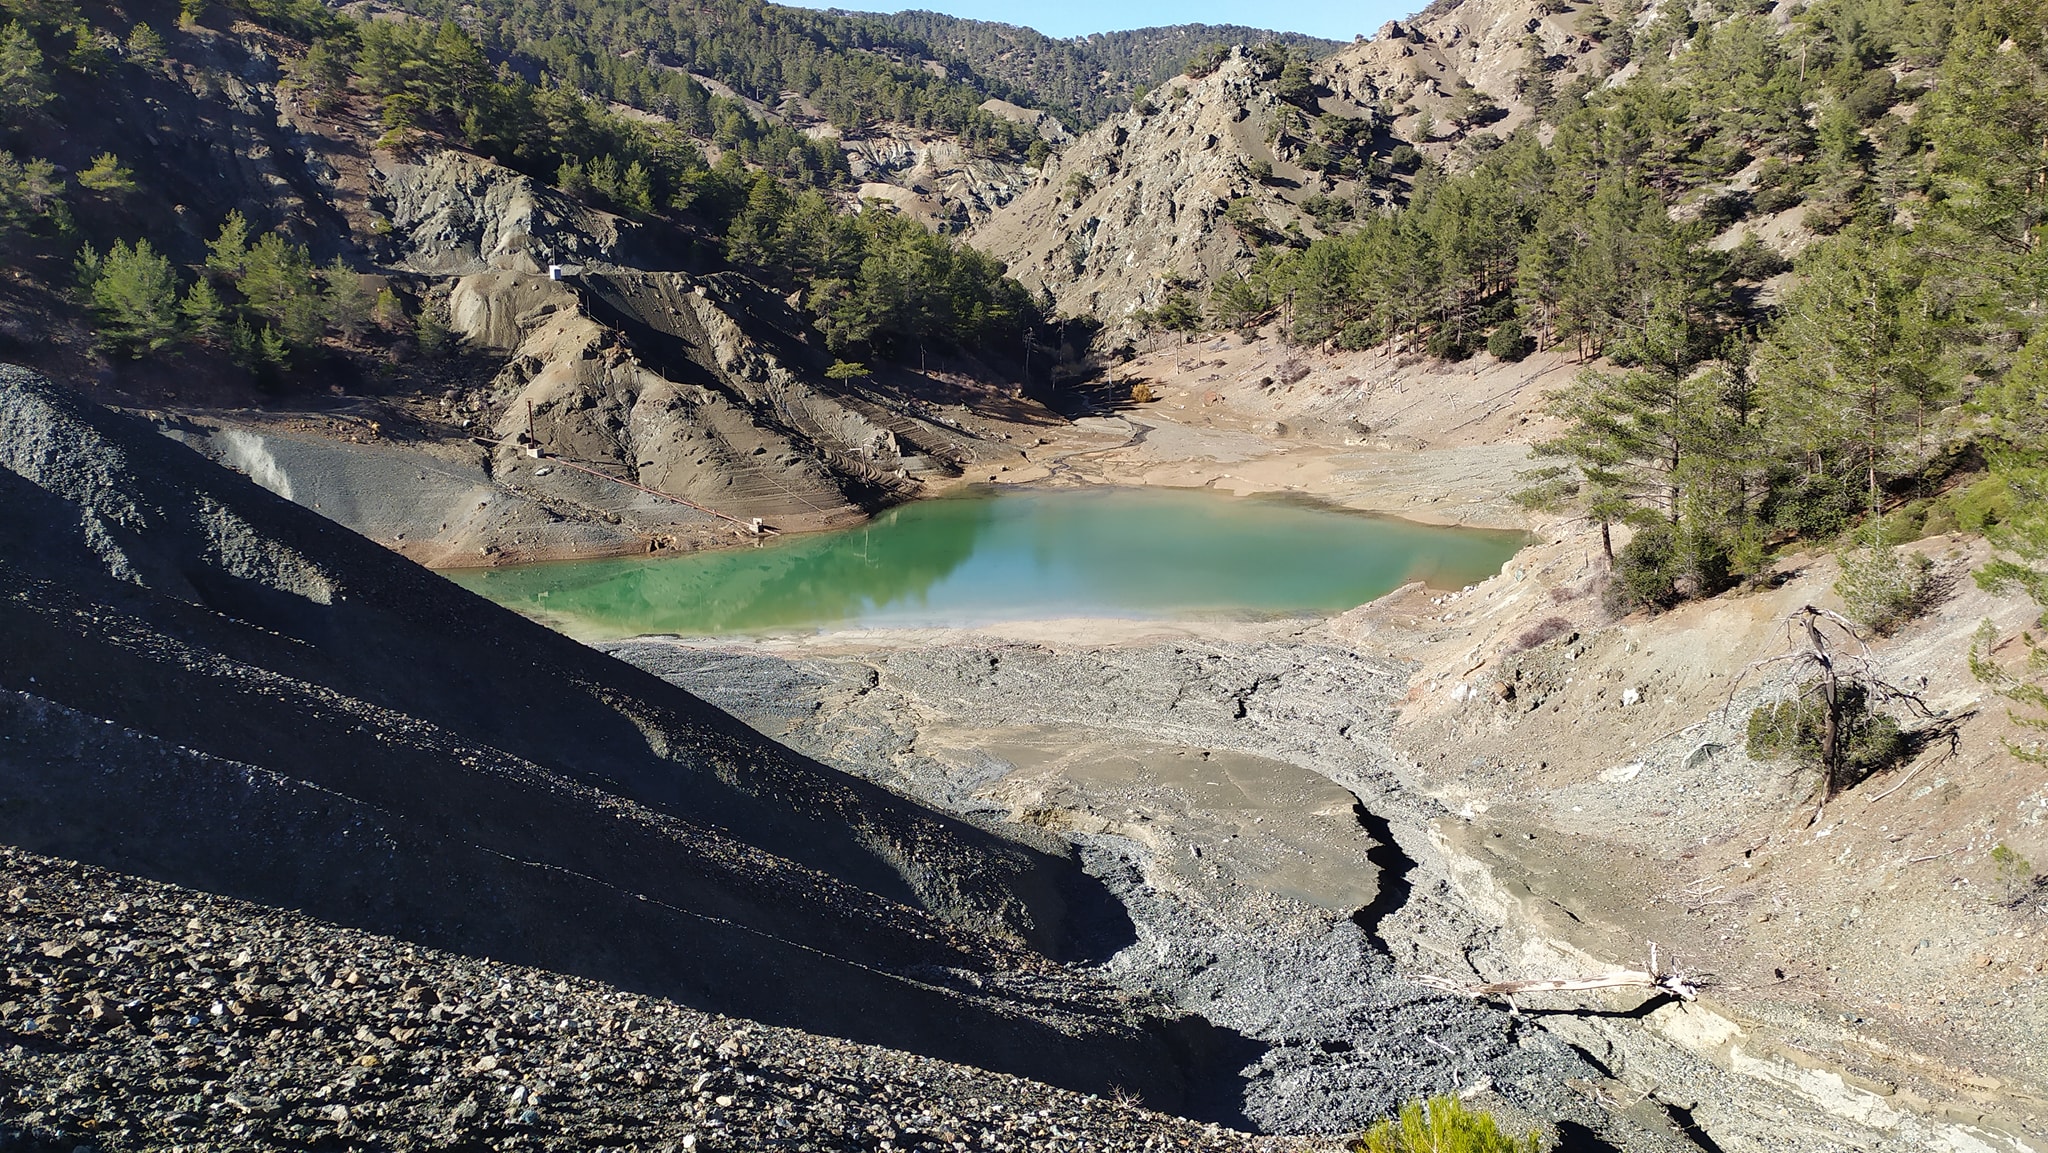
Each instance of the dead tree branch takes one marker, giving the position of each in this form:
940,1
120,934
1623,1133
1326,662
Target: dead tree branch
1673,982
1831,667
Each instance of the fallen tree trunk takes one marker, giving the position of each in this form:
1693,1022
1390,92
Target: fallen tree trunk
1674,982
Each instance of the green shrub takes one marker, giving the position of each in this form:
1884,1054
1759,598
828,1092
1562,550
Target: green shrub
2019,887
1358,334
1646,570
1881,586
1508,342
1791,729
1815,505
1442,1125
1981,505
1445,345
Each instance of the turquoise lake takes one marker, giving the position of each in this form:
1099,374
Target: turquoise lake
989,555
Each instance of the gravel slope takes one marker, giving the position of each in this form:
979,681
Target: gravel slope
138,1015
212,686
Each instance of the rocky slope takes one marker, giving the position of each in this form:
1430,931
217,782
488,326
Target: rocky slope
703,387
215,687
1136,207
1867,955
716,386
141,1015
1138,204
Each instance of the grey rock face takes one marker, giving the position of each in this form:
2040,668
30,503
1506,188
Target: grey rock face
454,214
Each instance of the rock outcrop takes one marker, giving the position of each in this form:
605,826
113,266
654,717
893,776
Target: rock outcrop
453,214
1136,208
1139,202
935,178
702,387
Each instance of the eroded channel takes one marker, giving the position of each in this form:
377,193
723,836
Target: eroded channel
1217,791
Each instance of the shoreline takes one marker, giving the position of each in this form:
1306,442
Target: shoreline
1534,869
1550,824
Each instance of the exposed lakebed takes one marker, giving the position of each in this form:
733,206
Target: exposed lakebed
990,555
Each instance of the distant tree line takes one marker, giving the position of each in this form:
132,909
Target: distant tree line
1088,78
853,70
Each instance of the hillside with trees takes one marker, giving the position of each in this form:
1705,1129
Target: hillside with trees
850,71
1807,256
1086,78
873,282
1738,310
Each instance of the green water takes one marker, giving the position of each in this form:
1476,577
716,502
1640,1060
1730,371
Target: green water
993,555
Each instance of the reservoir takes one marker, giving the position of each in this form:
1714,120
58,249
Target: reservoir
989,555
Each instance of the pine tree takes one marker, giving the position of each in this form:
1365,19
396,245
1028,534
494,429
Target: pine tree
389,311
228,255
348,305
431,329
321,75
2018,411
134,297
88,55
205,315
1656,448
278,284
27,191
1853,370
145,46
107,176
636,190
24,85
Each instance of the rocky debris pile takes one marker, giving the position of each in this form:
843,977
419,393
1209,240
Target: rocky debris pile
1346,1037
138,1015
217,687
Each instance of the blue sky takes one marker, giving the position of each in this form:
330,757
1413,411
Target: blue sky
1335,19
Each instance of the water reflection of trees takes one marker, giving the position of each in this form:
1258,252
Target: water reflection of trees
821,579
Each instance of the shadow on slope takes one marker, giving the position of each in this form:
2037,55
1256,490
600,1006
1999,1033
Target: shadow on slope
215,687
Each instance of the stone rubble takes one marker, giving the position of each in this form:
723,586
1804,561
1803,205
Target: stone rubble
138,1015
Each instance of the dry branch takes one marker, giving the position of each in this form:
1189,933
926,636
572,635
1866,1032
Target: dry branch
1674,982
1833,667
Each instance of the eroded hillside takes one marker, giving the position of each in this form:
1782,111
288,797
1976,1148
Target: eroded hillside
1260,148
215,687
